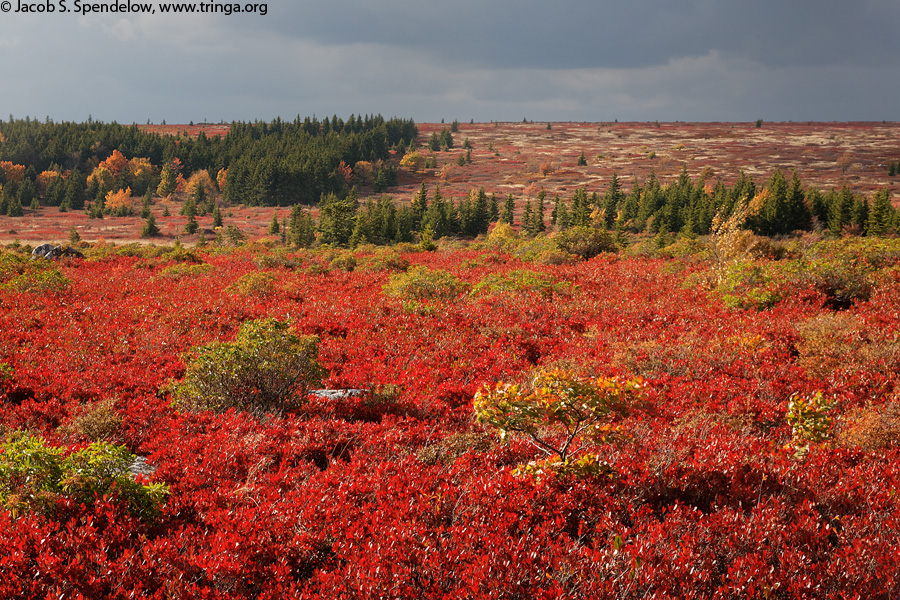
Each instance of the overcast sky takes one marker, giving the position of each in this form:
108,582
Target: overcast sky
504,60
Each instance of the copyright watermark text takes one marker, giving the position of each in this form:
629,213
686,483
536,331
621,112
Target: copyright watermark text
79,7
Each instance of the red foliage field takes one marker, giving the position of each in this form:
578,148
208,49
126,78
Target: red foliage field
404,495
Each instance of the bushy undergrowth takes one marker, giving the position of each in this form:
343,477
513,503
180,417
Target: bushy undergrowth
35,477
759,457
422,283
266,370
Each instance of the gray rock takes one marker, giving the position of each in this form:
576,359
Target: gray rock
139,466
50,252
338,394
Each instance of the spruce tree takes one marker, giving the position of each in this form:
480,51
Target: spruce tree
337,218
145,204
528,219
881,214
581,209
150,228
191,226
539,225
27,193
611,201
563,219
74,197
493,209
274,226
14,208
419,204
509,207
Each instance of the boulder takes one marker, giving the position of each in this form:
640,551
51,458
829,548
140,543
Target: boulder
50,252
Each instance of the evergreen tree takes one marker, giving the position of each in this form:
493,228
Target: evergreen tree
493,209
446,139
337,218
6,197
56,192
611,200
405,225
528,219
539,225
441,216
818,205
434,142
509,207
881,214
150,229
628,215
27,193
480,214
582,161
274,226
860,217
191,227
74,197
145,204
302,227
581,209
773,218
14,207
200,198
798,213
216,215
189,208
419,204
840,210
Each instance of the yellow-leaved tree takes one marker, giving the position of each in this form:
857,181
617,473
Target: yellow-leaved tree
561,413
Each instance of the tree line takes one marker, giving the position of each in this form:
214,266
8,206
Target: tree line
686,207
269,163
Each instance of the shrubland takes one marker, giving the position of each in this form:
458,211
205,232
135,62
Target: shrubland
602,417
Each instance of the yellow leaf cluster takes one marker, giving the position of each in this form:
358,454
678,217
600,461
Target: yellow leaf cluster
11,171
200,178
119,199
44,179
138,167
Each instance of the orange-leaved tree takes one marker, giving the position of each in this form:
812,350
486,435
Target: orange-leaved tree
559,412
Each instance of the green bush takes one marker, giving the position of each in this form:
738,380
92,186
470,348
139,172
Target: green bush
422,283
586,242
266,370
344,261
256,283
387,259
746,284
18,274
35,476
